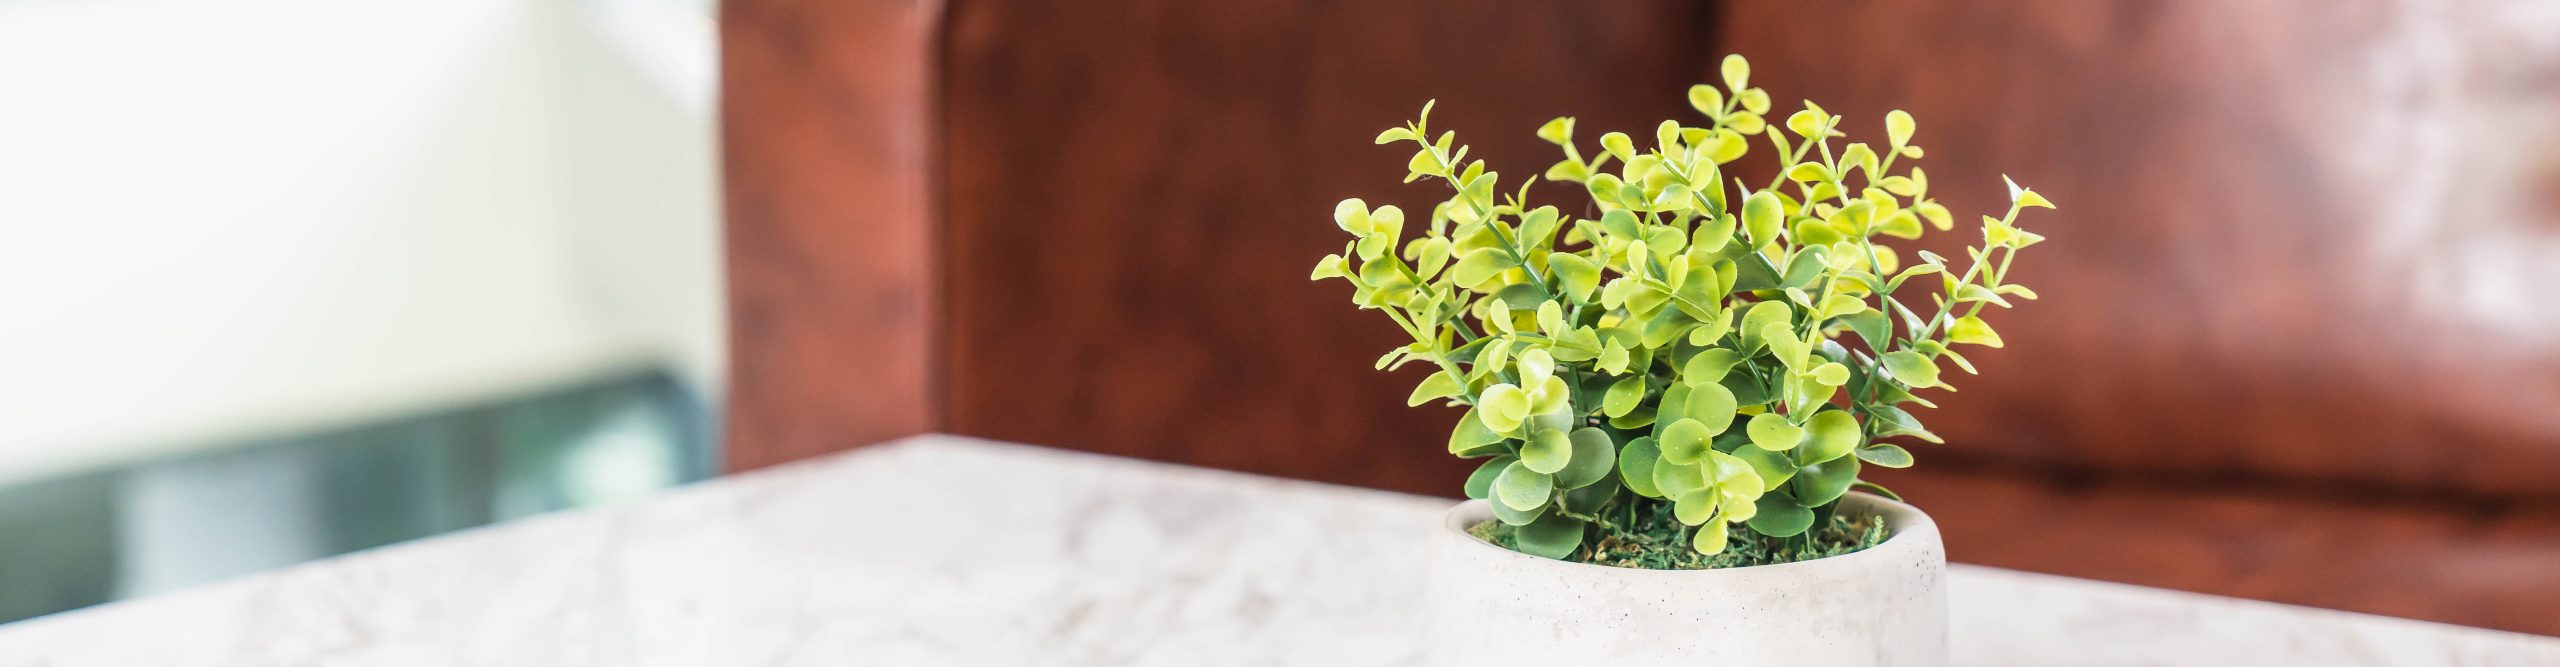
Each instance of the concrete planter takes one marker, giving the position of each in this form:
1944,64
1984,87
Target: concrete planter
1882,606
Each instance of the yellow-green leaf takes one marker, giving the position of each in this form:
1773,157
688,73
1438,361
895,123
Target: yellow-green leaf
1761,216
1329,267
1971,330
1546,451
1579,277
1772,431
1898,127
1481,266
1352,215
1706,99
1471,438
1685,442
1709,366
1618,146
1806,123
1439,385
1503,407
1737,72
1710,539
1911,368
1558,131
1890,456
1831,374
1710,404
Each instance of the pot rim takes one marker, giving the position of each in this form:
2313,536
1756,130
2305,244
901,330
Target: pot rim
1906,528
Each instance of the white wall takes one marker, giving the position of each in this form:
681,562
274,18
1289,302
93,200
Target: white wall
221,219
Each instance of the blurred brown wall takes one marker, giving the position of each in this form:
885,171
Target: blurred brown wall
2295,342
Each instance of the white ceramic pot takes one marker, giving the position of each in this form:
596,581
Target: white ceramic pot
1885,605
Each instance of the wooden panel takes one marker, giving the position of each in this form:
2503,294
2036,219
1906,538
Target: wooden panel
2478,564
828,131
1137,190
2300,241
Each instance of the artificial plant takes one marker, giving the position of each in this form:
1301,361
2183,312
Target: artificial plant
1731,352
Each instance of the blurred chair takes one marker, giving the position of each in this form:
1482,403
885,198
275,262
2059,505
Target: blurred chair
2296,340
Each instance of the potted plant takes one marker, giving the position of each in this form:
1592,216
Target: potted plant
1676,385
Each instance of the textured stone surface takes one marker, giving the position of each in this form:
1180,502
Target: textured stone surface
942,551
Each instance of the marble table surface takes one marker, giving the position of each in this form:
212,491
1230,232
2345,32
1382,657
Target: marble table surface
941,550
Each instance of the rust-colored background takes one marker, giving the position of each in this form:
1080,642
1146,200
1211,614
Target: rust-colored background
2299,338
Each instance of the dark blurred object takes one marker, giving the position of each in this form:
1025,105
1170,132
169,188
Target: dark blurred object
2296,341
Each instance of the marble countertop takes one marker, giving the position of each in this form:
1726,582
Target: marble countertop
942,550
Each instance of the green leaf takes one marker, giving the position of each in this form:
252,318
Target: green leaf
1558,131
1820,483
1779,516
1593,457
1636,420
1547,451
1635,465
1591,497
1667,325
1772,431
1804,268
1711,405
1522,489
1513,517
1737,72
1747,390
1830,434
1685,442
1897,421
1550,536
1753,272
1890,456
1438,385
1761,216
1480,482
1667,411
1503,407
1577,274
1911,368
1472,439
1971,330
1871,326
1879,490
1623,397
1898,127
1709,366
1772,467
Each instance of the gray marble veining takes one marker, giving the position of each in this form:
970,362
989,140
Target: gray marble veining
941,550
